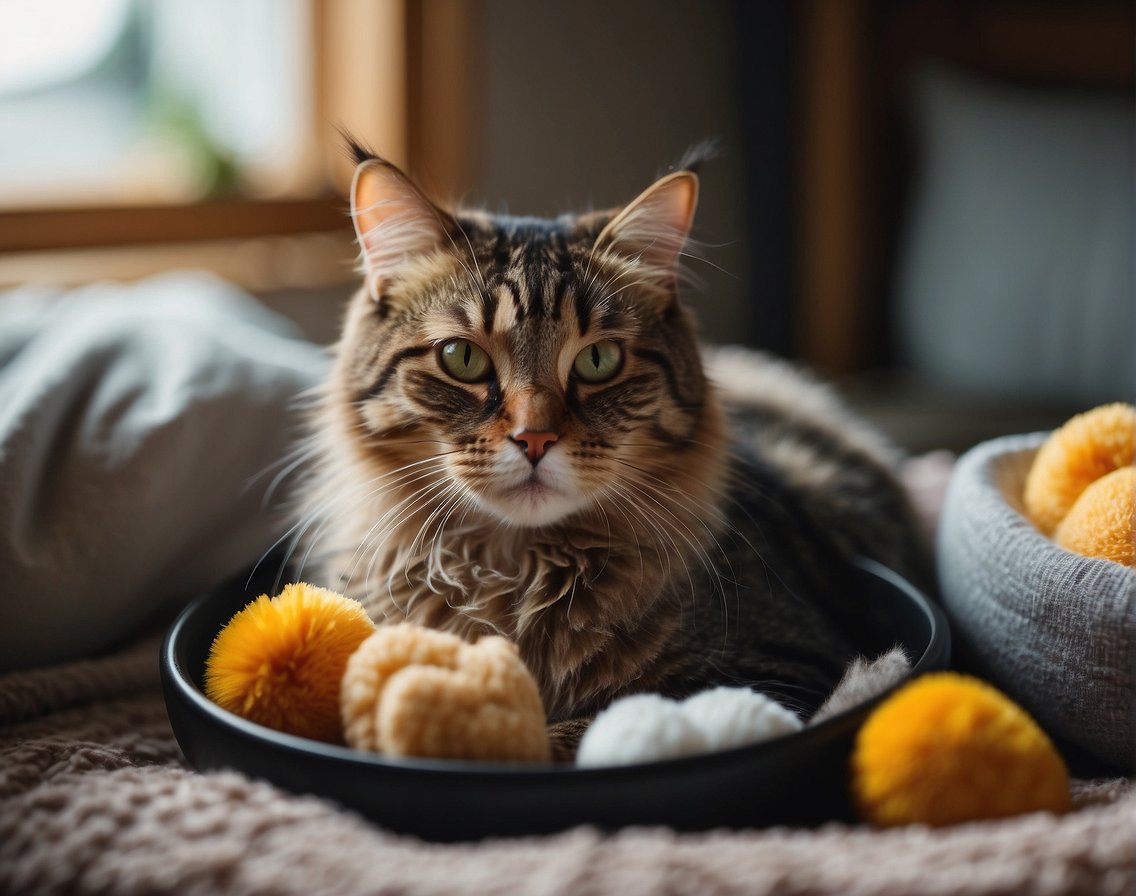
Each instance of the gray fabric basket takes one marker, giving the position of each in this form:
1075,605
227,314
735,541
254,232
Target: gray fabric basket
1053,630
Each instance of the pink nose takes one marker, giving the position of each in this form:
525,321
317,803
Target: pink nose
534,444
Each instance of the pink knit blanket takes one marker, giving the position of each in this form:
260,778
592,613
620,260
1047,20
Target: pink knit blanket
96,798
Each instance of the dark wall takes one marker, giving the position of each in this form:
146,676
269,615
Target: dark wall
585,103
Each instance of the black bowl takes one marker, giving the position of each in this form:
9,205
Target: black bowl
800,779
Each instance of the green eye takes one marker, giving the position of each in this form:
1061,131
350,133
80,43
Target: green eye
599,362
465,361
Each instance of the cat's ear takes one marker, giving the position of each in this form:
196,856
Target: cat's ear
394,222
653,227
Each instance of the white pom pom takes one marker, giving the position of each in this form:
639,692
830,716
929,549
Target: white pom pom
648,727
734,717
640,728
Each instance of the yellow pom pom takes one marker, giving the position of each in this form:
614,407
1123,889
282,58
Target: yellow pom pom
1089,446
948,748
279,661
1102,523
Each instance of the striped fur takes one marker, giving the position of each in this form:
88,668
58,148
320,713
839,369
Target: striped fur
648,549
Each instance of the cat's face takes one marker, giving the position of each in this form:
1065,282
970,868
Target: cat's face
524,369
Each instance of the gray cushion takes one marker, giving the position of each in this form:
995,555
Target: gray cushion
142,429
1054,630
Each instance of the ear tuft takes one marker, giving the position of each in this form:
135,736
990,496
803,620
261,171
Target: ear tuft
357,151
653,228
394,222
697,155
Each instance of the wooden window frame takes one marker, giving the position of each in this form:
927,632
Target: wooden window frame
855,55
399,73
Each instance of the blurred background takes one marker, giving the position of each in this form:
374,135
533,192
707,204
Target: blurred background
929,202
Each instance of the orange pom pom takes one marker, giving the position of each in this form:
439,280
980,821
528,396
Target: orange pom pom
1089,446
1102,523
279,661
948,748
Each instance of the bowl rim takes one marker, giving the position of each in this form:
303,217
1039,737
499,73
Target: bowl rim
180,679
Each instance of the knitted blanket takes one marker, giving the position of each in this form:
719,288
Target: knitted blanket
95,798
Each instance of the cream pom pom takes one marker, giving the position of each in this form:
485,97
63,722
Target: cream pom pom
414,691
649,728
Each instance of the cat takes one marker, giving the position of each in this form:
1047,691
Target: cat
521,435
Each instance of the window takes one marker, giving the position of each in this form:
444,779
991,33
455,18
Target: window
141,135
138,101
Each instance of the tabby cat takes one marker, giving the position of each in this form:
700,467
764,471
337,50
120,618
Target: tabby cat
521,436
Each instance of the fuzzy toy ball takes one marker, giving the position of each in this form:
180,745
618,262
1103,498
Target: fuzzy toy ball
1089,446
1102,522
649,728
947,748
414,691
279,661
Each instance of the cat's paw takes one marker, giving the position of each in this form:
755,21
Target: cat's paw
413,691
648,727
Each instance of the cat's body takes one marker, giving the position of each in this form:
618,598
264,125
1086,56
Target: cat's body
520,438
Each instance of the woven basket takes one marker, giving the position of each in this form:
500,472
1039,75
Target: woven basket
1056,631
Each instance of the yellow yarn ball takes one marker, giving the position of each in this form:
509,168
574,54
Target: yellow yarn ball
1102,522
280,660
1087,447
947,748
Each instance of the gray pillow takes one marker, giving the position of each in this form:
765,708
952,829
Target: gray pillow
142,428
1054,630
1015,276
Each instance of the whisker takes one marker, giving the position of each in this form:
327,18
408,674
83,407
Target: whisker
392,519
697,512
329,509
